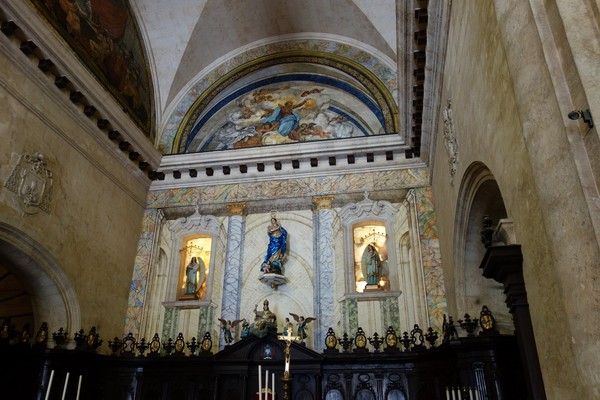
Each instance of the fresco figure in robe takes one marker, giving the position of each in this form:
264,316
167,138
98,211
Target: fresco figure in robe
371,265
273,262
287,119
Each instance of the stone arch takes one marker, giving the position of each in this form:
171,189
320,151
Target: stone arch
53,298
479,195
406,251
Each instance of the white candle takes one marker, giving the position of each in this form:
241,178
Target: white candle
459,394
476,394
65,388
447,393
453,398
49,384
470,394
259,383
273,379
79,387
266,383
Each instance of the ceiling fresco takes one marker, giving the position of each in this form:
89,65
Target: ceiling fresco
286,109
105,37
347,71
288,84
288,97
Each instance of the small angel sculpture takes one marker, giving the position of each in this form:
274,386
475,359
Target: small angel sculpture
288,327
227,327
301,321
245,329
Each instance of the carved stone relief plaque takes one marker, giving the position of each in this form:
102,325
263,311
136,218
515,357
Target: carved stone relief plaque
32,181
450,139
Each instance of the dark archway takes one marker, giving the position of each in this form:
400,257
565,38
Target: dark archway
492,274
53,299
479,195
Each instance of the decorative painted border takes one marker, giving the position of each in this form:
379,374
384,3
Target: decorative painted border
290,188
141,269
437,303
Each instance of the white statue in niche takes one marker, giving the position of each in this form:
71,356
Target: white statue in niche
371,265
370,257
194,272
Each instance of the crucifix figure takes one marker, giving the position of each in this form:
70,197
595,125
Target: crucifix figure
288,338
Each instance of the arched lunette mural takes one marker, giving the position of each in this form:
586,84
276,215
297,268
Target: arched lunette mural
358,98
318,107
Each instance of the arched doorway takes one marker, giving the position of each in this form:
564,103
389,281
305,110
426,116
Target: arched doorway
16,308
40,280
492,275
479,196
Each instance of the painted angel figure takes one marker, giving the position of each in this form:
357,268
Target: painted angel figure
302,322
227,327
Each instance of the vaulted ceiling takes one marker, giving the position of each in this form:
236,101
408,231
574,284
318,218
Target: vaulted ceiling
204,75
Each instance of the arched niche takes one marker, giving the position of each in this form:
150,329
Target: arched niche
378,217
395,394
184,231
365,394
479,195
334,394
53,298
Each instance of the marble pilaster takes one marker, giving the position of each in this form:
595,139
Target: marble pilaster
350,316
324,267
205,320
171,323
232,279
435,291
141,272
390,313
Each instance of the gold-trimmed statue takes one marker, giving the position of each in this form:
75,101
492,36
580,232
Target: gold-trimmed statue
264,321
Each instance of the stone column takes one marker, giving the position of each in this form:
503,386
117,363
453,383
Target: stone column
324,268
232,274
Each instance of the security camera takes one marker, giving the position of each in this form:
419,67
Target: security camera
585,114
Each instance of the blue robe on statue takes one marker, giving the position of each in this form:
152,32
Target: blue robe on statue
275,250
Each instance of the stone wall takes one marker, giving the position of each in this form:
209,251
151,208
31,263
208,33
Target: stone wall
78,255
507,114
319,263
